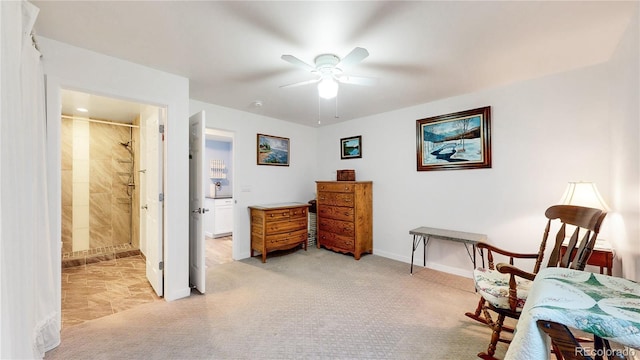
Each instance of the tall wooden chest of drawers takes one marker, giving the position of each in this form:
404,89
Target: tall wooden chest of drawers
345,216
278,227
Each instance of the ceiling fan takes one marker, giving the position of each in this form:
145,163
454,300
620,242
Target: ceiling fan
330,71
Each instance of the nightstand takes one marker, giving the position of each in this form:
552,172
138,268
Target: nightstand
601,256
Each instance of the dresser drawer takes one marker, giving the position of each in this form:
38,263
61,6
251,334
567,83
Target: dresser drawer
335,187
275,215
298,212
335,198
287,225
336,241
336,226
288,238
336,212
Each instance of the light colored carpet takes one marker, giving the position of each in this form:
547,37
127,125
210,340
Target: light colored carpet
302,305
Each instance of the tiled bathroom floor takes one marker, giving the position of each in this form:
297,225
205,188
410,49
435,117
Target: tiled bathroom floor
218,250
84,257
91,290
104,288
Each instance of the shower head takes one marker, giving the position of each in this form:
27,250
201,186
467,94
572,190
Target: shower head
128,145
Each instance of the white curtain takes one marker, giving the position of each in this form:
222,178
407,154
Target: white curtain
29,317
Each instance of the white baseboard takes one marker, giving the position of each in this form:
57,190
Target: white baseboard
430,265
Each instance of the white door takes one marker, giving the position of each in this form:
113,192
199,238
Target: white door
197,268
151,192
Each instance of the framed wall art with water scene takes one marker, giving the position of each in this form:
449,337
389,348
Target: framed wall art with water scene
273,150
351,147
454,141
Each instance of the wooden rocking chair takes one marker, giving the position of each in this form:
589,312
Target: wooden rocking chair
567,347
504,287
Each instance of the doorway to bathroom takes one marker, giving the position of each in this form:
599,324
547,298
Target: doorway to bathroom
111,176
218,221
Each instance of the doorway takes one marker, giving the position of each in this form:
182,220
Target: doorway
105,231
219,221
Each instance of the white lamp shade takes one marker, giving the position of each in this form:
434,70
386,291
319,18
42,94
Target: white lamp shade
327,88
583,194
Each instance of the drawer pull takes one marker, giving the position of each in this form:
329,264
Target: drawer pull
321,197
284,213
271,215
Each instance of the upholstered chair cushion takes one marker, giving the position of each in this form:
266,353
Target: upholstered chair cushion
494,287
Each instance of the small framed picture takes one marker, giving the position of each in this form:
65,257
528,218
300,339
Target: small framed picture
351,147
273,150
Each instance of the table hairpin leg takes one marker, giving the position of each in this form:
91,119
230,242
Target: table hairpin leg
416,242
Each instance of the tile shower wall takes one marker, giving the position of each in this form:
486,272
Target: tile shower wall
67,185
135,208
96,200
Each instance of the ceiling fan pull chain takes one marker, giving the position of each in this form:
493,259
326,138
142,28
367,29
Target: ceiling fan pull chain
318,110
336,115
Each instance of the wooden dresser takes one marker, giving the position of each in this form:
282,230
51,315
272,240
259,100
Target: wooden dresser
278,227
345,216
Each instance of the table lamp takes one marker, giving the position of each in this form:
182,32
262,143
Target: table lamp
583,194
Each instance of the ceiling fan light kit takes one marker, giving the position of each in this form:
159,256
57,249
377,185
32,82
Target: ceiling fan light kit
327,88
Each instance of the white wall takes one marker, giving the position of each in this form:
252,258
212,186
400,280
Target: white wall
624,118
544,133
260,184
79,69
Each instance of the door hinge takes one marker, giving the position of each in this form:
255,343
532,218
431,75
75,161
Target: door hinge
161,129
161,265
161,197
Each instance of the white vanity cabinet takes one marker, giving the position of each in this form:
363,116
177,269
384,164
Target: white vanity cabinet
209,204
222,217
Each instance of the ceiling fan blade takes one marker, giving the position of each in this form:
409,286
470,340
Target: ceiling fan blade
357,80
297,62
300,83
355,56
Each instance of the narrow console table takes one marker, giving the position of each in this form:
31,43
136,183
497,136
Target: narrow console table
425,234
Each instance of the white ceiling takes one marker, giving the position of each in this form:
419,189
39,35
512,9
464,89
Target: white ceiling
419,51
98,107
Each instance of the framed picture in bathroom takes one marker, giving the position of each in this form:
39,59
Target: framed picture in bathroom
272,150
